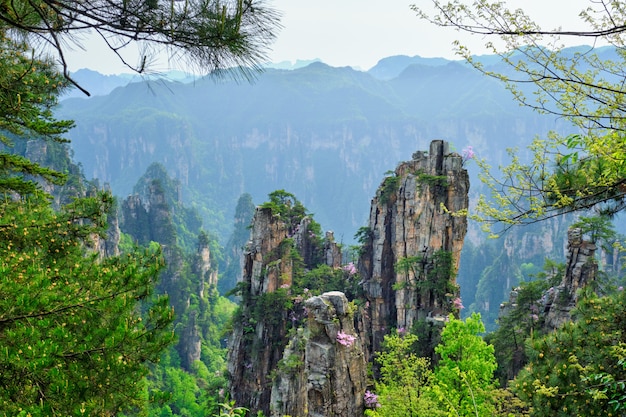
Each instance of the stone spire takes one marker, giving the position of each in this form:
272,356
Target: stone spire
416,231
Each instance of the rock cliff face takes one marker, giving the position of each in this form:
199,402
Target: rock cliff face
580,269
414,240
288,356
149,217
322,372
309,372
258,340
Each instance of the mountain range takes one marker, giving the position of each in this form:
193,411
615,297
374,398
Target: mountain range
325,134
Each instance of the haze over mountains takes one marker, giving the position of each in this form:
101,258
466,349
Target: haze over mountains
325,134
328,135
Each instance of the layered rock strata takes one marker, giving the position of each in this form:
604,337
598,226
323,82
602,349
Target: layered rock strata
413,243
323,369
580,269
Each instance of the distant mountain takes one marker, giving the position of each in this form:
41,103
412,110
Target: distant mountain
97,84
289,65
100,84
391,67
326,134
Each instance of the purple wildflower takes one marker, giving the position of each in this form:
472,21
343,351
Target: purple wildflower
345,339
371,400
401,331
468,153
350,268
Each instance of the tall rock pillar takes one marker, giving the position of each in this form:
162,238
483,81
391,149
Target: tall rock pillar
323,371
414,240
257,342
580,269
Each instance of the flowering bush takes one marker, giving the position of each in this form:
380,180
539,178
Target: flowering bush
345,339
350,268
468,153
458,304
371,400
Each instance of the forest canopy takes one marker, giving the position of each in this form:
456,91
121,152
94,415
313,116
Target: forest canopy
80,324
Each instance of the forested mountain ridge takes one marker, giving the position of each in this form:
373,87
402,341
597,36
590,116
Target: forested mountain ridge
336,129
326,134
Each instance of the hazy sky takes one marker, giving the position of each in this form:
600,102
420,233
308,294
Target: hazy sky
357,32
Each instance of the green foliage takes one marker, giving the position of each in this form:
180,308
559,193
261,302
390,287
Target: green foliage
598,229
522,320
579,368
28,91
434,274
463,380
363,235
428,337
566,173
203,33
230,410
431,180
404,380
323,278
287,206
388,188
72,336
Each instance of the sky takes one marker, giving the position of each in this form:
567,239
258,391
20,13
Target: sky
355,33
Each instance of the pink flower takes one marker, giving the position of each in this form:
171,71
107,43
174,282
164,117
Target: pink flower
401,331
458,304
285,286
350,268
345,339
468,153
371,399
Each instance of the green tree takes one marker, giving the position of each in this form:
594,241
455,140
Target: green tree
404,380
73,338
28,92
463,380
577,171
579,369
522,320
287,206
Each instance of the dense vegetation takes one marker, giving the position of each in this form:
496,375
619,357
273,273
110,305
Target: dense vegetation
77,329
81,325
88,331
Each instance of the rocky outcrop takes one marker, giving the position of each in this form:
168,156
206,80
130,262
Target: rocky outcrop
259,338
413,243
323,369
580,269
189,281
332,251
285,356
289,357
